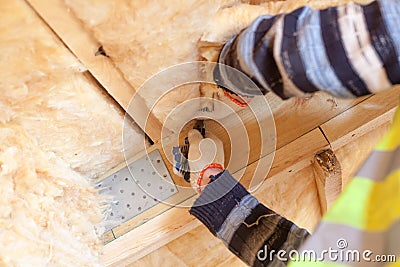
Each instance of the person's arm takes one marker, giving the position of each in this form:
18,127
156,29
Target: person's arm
348,51
250,230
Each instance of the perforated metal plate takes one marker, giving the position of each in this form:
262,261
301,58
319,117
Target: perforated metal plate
147,183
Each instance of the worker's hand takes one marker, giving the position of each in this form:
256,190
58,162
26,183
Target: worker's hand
202,153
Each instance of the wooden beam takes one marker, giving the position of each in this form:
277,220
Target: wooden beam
174,222
328,178
146,238
297,200
362,118
84,46
350,129
296,116
293,118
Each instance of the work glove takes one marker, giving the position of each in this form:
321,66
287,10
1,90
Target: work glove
206,158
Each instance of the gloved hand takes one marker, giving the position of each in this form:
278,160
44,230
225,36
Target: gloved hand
206,157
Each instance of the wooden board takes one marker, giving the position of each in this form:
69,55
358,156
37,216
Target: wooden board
176,221
362,118
270,194
210,251
296,116
328,177
293,118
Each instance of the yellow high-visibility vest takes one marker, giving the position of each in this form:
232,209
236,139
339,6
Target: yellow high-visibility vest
362,228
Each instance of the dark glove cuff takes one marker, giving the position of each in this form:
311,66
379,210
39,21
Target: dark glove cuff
217,200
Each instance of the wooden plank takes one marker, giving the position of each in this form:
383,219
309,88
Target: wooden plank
163,257
297,116
212,250
176,221
293,195
68,28
328,177
293,118
107,237
287,161
362,118
150,236
303,209
352,135
296,155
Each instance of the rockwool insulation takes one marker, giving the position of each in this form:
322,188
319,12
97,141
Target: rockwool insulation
57,130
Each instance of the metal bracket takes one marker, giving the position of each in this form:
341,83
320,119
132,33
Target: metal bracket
137,187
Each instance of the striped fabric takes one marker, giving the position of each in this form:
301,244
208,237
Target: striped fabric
244,225
367,213
350,50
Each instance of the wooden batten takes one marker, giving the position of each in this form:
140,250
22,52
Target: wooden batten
328,177
174,222
358,128
362,118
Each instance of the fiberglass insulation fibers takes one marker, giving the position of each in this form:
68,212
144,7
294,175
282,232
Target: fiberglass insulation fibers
44,90
48,212
56,130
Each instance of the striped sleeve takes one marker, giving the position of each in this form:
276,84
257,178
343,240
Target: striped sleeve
348,51
250,230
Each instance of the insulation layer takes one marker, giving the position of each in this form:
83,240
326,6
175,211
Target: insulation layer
56,130
44,90
48,212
